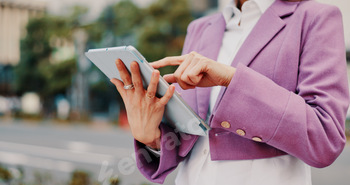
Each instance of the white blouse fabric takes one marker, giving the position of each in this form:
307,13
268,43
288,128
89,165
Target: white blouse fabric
198,168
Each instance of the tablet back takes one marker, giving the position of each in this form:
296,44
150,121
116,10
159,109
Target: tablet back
177,113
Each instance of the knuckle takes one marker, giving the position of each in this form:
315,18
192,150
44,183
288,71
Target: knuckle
159,106
150,93
203,60
137,84
166,59
191,75
184,77
193,53
184,86
177,75
192,79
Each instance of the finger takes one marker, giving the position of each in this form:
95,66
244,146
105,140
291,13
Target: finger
194,72
170,78
185,86
136,77
180,70
168,61
120,86
124,74
169,93
185,63
185,76
152,87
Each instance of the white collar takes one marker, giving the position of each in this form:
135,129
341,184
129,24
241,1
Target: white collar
264,4
231,8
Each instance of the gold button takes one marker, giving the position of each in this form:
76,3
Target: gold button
257,139
225,124
240,132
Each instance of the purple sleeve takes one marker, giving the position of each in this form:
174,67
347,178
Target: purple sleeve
307,123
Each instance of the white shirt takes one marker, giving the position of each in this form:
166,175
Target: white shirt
198,168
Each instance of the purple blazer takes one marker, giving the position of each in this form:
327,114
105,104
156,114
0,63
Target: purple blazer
289,94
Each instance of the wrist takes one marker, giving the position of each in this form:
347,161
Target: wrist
230,73
155,145
155,142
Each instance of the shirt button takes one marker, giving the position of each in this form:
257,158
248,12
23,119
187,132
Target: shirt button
225,124
205,151
257,139
240,132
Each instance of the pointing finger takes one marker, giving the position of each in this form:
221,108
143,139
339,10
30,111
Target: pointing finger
170,78
168,61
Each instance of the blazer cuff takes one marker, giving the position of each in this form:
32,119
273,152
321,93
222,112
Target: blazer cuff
252,105
155,168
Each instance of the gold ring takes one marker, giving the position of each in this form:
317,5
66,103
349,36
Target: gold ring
149,96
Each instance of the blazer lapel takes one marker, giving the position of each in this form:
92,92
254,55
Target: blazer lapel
268,26
211,40
209,47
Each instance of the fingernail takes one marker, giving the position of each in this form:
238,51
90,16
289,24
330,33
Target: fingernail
117,61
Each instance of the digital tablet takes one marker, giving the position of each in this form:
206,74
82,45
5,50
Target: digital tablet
177,113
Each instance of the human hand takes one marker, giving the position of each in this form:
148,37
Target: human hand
144,110
196,70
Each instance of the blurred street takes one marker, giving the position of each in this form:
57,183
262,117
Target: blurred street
56,150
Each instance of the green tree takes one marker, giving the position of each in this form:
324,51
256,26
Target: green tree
164,28
48,63
38,70
35,49
118,24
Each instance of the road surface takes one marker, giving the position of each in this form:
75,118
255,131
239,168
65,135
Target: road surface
54,151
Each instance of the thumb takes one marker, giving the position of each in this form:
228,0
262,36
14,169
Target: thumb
154,64
170,78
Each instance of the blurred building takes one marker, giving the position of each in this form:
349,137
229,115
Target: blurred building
14,16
